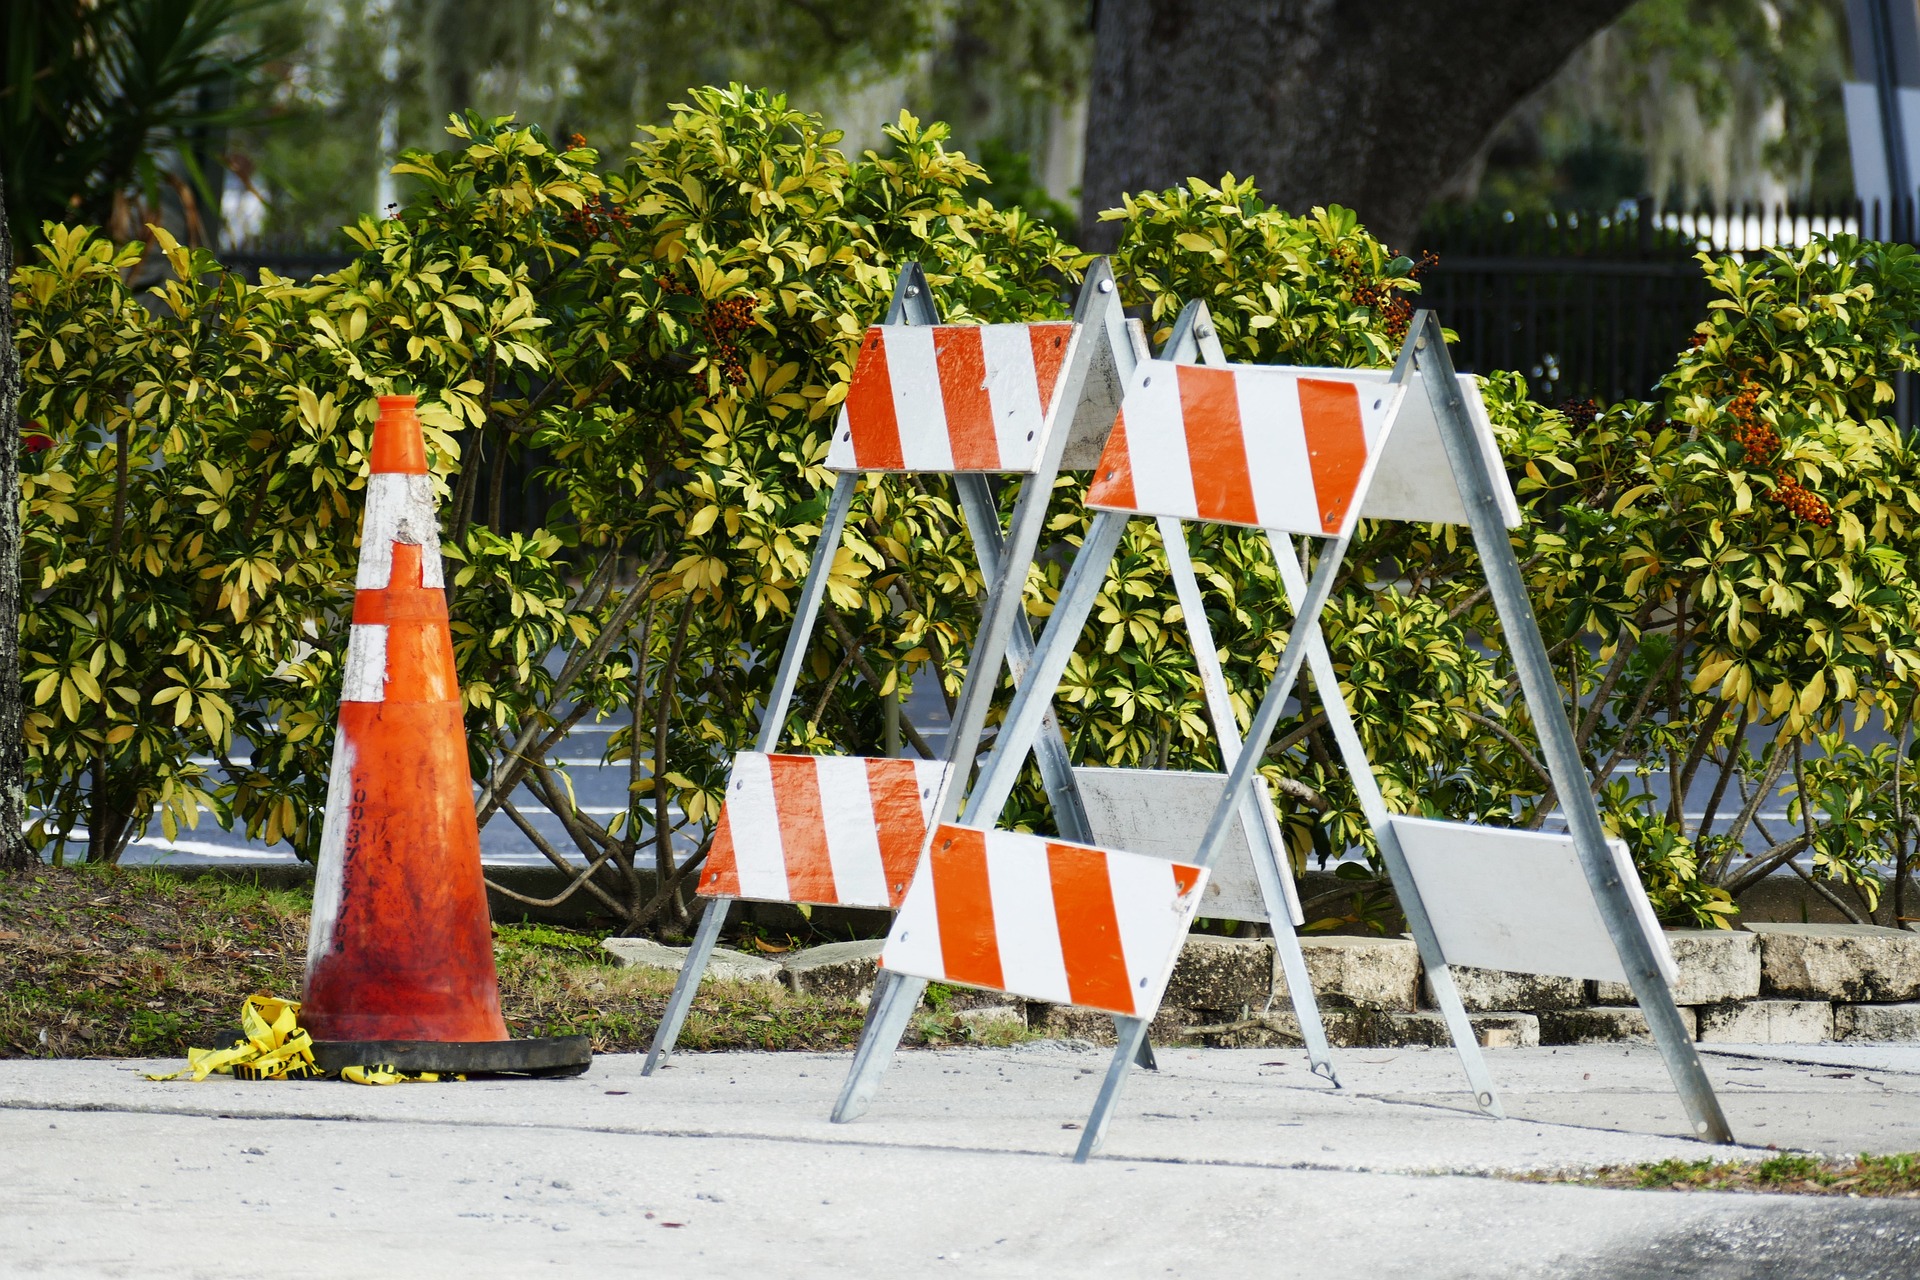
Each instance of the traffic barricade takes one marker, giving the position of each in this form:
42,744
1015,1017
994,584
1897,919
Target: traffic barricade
965,401
1307,453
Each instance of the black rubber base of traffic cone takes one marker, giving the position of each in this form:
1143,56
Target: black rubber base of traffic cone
549,1056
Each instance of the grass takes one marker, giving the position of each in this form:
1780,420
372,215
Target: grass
1895,1176
133,962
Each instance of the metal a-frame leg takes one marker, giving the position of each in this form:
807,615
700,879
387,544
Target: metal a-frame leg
1274,875
893,1009
1050,746
1557,746
779,698
1267,718
811,594
1033,701
1326,682
1239,779
894,1001
1133,1032
692,968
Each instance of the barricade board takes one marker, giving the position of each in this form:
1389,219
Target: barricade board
1519,900
1163,813
1296,451
948,398
1045,919
824,830
1253,445
1239,450
1403,485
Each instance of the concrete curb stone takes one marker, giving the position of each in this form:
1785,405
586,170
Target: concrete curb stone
1851,963
1064,1022
726,965
835,971
1608,1025
1375,1029
1358,973
1716,965
1767,1022
1493,990
1225,975
993,1015
1876,1022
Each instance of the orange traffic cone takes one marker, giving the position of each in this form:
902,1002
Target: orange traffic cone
400,954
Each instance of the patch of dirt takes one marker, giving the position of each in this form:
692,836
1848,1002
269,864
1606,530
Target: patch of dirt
130,963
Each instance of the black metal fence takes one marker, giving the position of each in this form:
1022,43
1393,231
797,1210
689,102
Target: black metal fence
294,257
1598,302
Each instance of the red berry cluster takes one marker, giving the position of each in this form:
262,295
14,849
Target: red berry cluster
1803,502
722,322
1761,444
599,221
1760,441
1580,413
1379,296
725,320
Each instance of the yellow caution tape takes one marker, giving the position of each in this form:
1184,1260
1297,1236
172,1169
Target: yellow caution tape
276,1047
387,1073
273,1046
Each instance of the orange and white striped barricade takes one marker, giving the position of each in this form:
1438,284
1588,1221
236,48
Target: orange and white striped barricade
1045,918
1307,453
1163,812
1259,879
965,401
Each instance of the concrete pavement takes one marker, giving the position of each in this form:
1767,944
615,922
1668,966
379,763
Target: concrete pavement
1226,1159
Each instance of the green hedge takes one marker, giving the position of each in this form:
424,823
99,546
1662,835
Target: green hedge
673,336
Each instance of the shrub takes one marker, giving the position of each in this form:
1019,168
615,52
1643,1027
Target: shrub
667,342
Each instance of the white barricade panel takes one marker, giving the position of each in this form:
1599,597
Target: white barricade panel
1256,445
950,397
1163,815
1044,919
1519,900
1414,479
826,830
1100,397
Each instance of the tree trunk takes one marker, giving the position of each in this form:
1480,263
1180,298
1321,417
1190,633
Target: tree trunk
1372,104
14,854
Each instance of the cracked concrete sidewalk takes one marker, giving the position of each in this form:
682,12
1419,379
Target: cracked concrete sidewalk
1225,1157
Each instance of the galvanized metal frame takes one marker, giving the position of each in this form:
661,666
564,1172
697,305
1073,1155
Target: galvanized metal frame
1192,335
1098,318
1425,350
913,303
1326,683
1561,754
